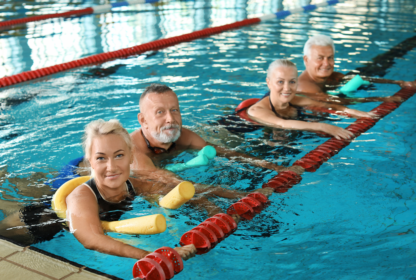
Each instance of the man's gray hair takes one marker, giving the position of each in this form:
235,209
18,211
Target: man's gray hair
154,88
280,63
317,40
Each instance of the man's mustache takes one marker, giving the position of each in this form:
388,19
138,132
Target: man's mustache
176,126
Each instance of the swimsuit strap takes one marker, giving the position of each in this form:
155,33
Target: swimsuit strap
93,186
273,109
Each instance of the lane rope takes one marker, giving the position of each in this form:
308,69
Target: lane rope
87,11
151,46
213,230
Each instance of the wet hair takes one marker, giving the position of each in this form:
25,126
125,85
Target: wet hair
280,63
317,40
99,128
154,88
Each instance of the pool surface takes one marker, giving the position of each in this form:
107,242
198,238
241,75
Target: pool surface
354,218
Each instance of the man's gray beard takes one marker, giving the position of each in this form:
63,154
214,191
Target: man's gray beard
164,138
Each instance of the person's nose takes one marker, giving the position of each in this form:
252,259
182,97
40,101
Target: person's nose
111,165
286,87
325,62
169,117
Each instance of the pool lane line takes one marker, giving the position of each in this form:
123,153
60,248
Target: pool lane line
151,46
87,11
213,230
315,158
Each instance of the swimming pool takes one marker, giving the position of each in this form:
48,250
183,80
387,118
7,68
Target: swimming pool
353,218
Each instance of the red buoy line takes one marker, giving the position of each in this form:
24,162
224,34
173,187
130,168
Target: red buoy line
165,262
100,58
315,158
155,45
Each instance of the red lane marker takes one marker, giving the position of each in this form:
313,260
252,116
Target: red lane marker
260,197
242,209
173,256
254,203
229,220
197,238
164,262
209,234
19,21
216,229
222,224
148,269
155,45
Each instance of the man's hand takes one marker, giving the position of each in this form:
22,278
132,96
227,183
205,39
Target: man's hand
186,252
296,168
393,99
266,191
407,84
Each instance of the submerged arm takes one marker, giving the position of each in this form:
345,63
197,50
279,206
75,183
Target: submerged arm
84,223
230,154
267,117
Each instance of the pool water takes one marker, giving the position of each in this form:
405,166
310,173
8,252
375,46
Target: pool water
352,219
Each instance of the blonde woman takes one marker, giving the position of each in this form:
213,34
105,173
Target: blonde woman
282,108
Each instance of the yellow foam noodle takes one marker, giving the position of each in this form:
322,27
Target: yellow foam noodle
152,224
178,196
59,198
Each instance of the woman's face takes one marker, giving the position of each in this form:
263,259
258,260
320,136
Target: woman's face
110,160
283,83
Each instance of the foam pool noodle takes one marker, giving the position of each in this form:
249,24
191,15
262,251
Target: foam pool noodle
204,155
151,224
178,196
353,85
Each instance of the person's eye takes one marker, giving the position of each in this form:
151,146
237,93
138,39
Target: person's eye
100,158
119,155
159,112
293,82
175,110
280,82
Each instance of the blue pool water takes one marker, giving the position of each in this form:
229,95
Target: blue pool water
352,219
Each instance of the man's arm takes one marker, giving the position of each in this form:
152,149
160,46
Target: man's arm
143,165
196,142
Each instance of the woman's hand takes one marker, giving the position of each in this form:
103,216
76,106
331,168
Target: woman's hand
360,114
186,252
338,132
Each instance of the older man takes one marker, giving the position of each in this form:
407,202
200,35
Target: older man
162,136
319,74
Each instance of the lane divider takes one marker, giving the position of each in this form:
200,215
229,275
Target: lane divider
163,263
315,158
87,11
155,45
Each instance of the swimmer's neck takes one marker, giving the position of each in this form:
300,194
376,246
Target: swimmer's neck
153,142
319,81
112,194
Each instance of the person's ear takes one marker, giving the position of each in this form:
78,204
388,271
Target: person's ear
141,119
268,82
305,59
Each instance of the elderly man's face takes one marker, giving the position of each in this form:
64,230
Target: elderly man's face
320,62
161,116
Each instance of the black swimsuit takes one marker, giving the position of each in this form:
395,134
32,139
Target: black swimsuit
300,112
109,211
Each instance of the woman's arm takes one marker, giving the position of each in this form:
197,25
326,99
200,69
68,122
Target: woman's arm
307,102
267,117
85,224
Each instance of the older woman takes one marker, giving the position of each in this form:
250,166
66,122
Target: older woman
282,107
108,149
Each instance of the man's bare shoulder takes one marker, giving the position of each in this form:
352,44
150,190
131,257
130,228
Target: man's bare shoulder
308,86
335,78
190,139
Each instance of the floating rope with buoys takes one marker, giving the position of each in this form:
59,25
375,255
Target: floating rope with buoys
209,233
86,11
155,45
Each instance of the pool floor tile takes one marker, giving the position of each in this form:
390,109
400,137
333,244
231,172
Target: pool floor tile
41,263
85,275
8,248
11,271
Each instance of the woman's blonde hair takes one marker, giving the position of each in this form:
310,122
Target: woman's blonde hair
280,63
99,128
